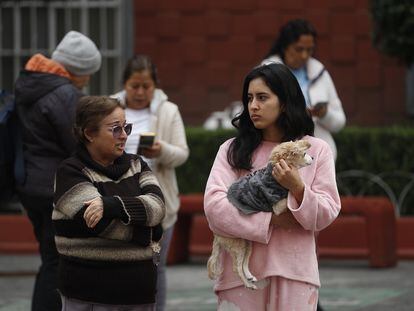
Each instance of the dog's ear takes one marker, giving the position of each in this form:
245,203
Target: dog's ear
275,156
296,148
288,150
278,153
303,145
293,148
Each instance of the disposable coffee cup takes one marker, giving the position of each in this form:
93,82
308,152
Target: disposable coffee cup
146,139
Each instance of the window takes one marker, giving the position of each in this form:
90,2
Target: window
29,27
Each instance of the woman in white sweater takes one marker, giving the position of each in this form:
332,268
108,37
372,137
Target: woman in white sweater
148,109
294,47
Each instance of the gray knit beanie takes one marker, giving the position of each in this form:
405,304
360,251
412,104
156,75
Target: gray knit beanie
78,54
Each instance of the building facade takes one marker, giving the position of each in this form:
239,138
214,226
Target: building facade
203,49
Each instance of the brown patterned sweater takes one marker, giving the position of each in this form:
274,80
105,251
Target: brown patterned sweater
112,262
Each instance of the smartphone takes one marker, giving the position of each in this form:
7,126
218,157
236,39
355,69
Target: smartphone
319,105
146,140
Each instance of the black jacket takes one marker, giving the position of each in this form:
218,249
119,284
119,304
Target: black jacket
46,110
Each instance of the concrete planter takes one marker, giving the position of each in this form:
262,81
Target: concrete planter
345,238
16,235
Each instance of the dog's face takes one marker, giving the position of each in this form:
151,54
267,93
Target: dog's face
293,152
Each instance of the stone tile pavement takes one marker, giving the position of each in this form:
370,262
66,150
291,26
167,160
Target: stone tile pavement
347,285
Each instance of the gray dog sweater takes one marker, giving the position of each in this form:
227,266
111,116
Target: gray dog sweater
256,192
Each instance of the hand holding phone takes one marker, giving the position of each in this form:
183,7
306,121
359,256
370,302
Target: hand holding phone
319,105
146,140
319,109
151,152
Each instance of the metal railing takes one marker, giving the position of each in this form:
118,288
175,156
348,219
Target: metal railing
362,183
29,27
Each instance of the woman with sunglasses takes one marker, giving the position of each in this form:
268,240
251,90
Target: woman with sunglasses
294,47
147,107
108,209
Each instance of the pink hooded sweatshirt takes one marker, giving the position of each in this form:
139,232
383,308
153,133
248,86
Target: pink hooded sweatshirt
276,252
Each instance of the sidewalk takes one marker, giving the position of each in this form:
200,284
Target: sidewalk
347,285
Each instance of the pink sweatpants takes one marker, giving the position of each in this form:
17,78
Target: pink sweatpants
273,294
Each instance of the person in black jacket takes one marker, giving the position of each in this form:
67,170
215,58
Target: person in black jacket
46,93
108,209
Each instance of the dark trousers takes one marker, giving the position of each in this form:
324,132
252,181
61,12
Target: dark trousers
319,308
45,294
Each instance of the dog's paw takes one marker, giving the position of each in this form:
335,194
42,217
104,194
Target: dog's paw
252,279
280,207
251,286
250,283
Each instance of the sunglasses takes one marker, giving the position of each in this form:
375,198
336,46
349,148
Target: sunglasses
117,130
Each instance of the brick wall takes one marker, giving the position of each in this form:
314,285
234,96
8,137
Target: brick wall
204,48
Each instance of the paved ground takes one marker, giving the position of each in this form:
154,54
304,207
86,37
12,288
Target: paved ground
347,285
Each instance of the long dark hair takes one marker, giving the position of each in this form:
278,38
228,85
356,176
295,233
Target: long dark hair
290,33
294,120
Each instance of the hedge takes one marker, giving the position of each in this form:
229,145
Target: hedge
192,176
375,150
385,151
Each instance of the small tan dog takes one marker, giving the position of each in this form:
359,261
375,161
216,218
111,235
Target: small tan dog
273,198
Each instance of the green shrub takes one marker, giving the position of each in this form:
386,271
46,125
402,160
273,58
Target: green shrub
203,144
375,150
379,152
393,28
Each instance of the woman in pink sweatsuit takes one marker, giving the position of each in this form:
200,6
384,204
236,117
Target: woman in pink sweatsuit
283,257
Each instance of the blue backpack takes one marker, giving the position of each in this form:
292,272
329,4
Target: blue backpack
12,171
